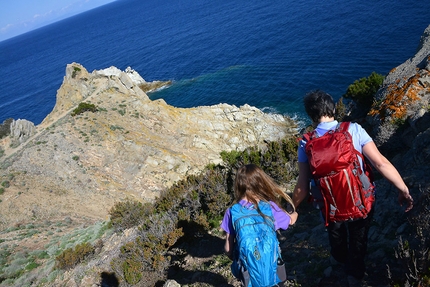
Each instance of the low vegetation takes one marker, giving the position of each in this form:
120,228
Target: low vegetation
76,70
70,257
63,251
5,128
84,107
362,91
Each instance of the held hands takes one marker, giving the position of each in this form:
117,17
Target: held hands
404,196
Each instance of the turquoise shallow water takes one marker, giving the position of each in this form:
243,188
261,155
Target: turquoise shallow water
266,54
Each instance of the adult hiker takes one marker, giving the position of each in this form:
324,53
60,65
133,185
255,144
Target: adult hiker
347,210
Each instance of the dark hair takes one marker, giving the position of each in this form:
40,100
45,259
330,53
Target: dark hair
253,182
318,104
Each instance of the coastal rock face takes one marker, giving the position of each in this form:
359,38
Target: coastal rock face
401,116
404,96
131,147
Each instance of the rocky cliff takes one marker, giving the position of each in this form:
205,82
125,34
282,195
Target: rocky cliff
400,116
130,147
404,98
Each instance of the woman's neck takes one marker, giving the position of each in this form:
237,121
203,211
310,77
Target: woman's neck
325,119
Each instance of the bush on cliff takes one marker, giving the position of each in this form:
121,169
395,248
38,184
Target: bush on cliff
69,258
84,107
128,214
362,91
5,128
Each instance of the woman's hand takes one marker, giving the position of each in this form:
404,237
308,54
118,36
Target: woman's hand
405,196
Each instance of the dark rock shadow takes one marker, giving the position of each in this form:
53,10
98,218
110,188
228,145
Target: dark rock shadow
197,250
191,277
108,280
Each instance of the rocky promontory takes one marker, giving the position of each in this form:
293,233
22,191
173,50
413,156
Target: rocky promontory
130,147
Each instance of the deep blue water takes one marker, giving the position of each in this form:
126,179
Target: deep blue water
264,53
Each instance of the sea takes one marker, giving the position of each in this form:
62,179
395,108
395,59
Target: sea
267,54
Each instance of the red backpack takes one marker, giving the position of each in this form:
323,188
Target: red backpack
347,191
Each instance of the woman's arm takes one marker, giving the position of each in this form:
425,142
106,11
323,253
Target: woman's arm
389,172
301,189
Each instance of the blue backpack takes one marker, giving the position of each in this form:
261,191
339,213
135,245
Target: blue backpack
258,261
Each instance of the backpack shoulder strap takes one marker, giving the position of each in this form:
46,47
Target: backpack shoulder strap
310,135
342,126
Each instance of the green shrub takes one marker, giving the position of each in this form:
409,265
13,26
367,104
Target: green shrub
75,71
84,107
40,254
230,157
341,110
5,184
127,214
363,90
5,128
132,269
146,257
31,265
113,128
71,257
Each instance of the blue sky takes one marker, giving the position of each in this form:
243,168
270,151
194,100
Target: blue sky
20,16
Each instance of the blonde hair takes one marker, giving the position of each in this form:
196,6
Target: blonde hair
251,181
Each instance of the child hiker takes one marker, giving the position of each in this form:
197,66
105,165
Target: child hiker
250,225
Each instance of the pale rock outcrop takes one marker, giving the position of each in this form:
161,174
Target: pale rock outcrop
78,85
21,130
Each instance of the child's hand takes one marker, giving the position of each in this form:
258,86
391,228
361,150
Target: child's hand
293,217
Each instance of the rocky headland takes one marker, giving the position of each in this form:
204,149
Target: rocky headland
131,147
72,168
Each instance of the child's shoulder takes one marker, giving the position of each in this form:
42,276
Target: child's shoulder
274,205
